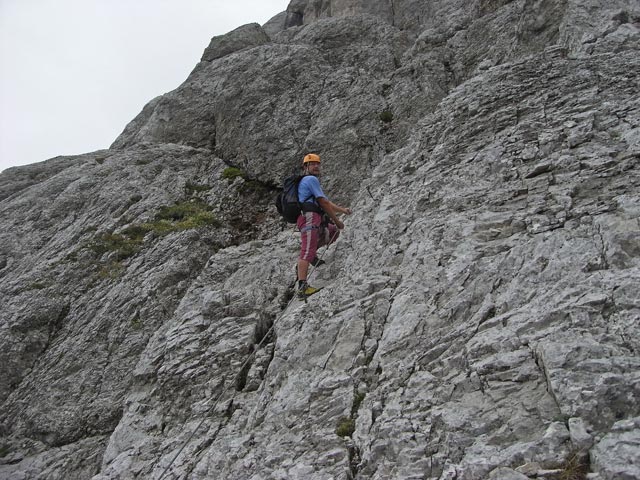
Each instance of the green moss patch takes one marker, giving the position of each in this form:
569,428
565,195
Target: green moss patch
122,246
136,323
346,427
180,216
357,401
231,173
182,210
386,116
253,186
111,270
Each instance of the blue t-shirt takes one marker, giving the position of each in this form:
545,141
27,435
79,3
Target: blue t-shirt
310,189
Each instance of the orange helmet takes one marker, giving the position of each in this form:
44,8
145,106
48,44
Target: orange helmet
311,157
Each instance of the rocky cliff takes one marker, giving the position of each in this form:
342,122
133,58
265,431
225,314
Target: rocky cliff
480,311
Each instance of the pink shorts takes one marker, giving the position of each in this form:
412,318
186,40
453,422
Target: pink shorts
313,234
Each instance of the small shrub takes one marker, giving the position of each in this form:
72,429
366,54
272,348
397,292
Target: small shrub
133,200
575,467
160,227
111,271
346,427
109,242
192,188
4,450
357,401
561,417
231,173
386,116
182,210
198,220
181,216
136,323
253,186
136,232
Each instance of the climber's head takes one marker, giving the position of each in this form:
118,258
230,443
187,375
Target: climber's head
310,158
311,163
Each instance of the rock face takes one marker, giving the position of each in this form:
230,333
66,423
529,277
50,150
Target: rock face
480,311
239,39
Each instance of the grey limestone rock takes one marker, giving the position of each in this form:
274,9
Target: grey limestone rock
14,180
503,473
479,316
616,455
276,24
247,36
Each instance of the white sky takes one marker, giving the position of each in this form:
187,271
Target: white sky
73,73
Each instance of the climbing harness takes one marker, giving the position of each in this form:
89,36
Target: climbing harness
244,364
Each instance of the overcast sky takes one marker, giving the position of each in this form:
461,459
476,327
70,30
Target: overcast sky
73,73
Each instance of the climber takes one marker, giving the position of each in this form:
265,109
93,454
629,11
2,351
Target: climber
318,223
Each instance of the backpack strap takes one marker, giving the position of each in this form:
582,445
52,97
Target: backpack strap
308,206
311,207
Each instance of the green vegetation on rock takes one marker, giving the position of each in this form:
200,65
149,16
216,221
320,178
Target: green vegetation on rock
386,116
183,215
231,173
346,427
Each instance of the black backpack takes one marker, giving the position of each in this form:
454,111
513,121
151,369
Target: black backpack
287,201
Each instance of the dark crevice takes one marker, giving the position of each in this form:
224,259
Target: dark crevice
263,335
55,325
241,378
603,249
263,327
354,460
543,370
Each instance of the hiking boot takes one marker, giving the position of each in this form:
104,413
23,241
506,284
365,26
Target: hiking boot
305,290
